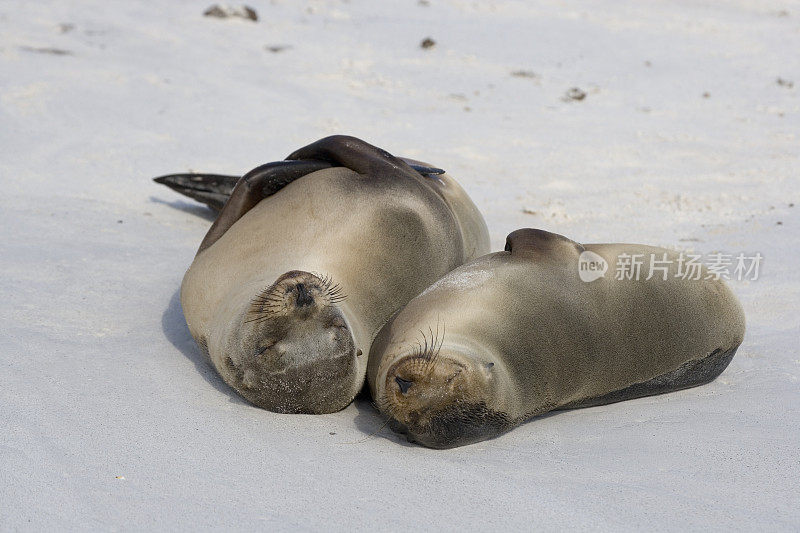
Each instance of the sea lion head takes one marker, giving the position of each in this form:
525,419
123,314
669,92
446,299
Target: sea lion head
442,397
290,350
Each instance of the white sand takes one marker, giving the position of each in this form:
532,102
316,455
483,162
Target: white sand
109,417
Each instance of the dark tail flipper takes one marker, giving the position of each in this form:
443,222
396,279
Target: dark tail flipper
210,189
215,189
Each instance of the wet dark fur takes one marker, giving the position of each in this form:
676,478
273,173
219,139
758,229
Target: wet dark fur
689,374
298,387
459,425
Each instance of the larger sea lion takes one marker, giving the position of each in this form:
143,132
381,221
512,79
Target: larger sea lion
309,258
515,334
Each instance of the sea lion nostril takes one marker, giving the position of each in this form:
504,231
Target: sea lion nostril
403,384
303,297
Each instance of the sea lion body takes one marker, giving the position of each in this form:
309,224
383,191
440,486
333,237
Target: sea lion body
287,300
520,334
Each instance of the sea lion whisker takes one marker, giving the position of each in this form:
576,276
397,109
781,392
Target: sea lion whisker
324,280
267,302
418,352
258,306
270,302
262,311
335,290
430,359
440,339
437,348
258,303
257,319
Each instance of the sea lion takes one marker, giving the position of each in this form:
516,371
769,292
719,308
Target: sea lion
515,334
309,258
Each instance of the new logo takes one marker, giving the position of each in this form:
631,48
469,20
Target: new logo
591,266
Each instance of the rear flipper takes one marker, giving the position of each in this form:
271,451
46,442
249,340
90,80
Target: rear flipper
358,156
215,189
234,197
689,374
210,189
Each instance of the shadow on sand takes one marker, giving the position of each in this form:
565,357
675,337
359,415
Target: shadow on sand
174,327
193,208
371,422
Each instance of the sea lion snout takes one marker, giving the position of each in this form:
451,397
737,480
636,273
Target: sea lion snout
295,293
304,297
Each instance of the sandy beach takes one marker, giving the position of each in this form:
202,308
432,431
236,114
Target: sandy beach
671,123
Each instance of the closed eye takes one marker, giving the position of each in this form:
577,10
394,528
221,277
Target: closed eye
264,349
451,378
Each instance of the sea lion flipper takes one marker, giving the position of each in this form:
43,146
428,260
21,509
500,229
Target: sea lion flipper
215,189
210,189
530,241
427,171
357,155
253,187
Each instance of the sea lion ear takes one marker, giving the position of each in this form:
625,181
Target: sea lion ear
529,241
355,154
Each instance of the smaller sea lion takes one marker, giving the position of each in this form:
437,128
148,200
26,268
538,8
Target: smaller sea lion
516,334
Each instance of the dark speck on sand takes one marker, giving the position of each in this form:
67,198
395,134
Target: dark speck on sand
46,50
